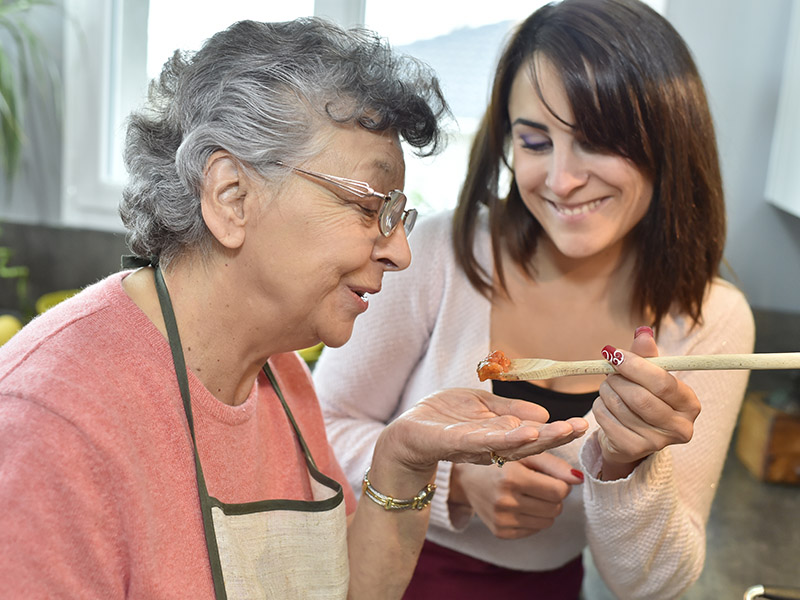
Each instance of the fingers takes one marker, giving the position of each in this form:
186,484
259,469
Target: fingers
513,445
633,405
624,437
644,343
553,466
517,519
642,408
516,432
638,371
515,501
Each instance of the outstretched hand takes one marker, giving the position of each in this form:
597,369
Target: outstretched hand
641,408
467,425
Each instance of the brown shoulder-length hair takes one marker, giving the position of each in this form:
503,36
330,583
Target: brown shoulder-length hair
634,91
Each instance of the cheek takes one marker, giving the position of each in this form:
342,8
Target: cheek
529,179
343,250
643,197
528,174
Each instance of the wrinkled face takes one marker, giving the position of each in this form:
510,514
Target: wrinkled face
319,251
586,200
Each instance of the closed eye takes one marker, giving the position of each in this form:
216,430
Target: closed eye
369,207
535,141
370,212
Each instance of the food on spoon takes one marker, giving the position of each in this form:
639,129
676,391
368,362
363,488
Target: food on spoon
493,365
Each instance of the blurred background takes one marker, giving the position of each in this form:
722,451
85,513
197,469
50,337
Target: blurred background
71,70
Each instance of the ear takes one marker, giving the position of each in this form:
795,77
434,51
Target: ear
223,199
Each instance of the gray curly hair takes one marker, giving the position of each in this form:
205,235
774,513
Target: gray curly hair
256,90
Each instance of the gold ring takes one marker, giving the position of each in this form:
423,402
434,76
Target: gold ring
497,459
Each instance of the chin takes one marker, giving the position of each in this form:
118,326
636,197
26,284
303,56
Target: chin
577,249
336,339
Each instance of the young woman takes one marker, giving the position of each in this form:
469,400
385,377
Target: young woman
607,237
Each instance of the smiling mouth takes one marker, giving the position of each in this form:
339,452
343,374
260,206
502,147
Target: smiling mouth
362,293
580,209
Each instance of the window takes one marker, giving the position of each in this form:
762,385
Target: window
113,48
783,189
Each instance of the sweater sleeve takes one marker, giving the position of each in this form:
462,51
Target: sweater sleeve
360,386
58,520
647,532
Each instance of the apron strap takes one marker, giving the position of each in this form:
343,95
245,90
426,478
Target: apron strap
309,459
133,261
183,383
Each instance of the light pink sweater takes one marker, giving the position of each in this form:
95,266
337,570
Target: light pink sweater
97,481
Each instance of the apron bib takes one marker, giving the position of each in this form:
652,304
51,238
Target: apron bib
282,549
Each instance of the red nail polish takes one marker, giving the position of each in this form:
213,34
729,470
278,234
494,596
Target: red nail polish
577,473
612,355
643,329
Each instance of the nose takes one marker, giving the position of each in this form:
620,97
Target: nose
393,251
566,172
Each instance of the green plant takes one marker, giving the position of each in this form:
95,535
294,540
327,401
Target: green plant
18,274
25,66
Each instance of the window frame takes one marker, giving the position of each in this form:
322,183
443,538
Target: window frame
782,186
103,41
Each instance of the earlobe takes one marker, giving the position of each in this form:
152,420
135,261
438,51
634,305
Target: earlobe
223,199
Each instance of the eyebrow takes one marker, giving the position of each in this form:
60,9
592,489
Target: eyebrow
385,166
533,124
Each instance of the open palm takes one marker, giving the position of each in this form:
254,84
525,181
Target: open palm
466,425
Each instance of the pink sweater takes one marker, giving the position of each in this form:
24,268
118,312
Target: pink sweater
97,480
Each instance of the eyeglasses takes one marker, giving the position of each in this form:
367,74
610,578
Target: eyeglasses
393,210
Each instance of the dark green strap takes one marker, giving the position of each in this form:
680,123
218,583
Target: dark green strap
276,387
132,261
183,383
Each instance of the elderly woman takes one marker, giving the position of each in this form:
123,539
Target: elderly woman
158,436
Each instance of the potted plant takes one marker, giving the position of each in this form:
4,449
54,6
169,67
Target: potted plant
25,68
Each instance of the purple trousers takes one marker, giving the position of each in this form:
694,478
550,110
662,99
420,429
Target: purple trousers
443,573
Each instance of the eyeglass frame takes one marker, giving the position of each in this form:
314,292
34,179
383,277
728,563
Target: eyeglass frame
363,190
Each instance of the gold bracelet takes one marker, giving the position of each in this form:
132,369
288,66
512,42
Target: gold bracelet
418,502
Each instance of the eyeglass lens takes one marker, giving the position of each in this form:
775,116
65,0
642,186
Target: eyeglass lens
394,213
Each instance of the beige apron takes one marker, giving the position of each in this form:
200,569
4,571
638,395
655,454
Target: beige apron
283,549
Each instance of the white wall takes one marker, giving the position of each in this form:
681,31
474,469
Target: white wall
739,47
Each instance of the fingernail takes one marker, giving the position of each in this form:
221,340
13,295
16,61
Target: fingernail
576,473
612,355
643,329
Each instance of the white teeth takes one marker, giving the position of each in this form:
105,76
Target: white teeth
581,209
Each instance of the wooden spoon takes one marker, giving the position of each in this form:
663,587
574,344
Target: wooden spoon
534,369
